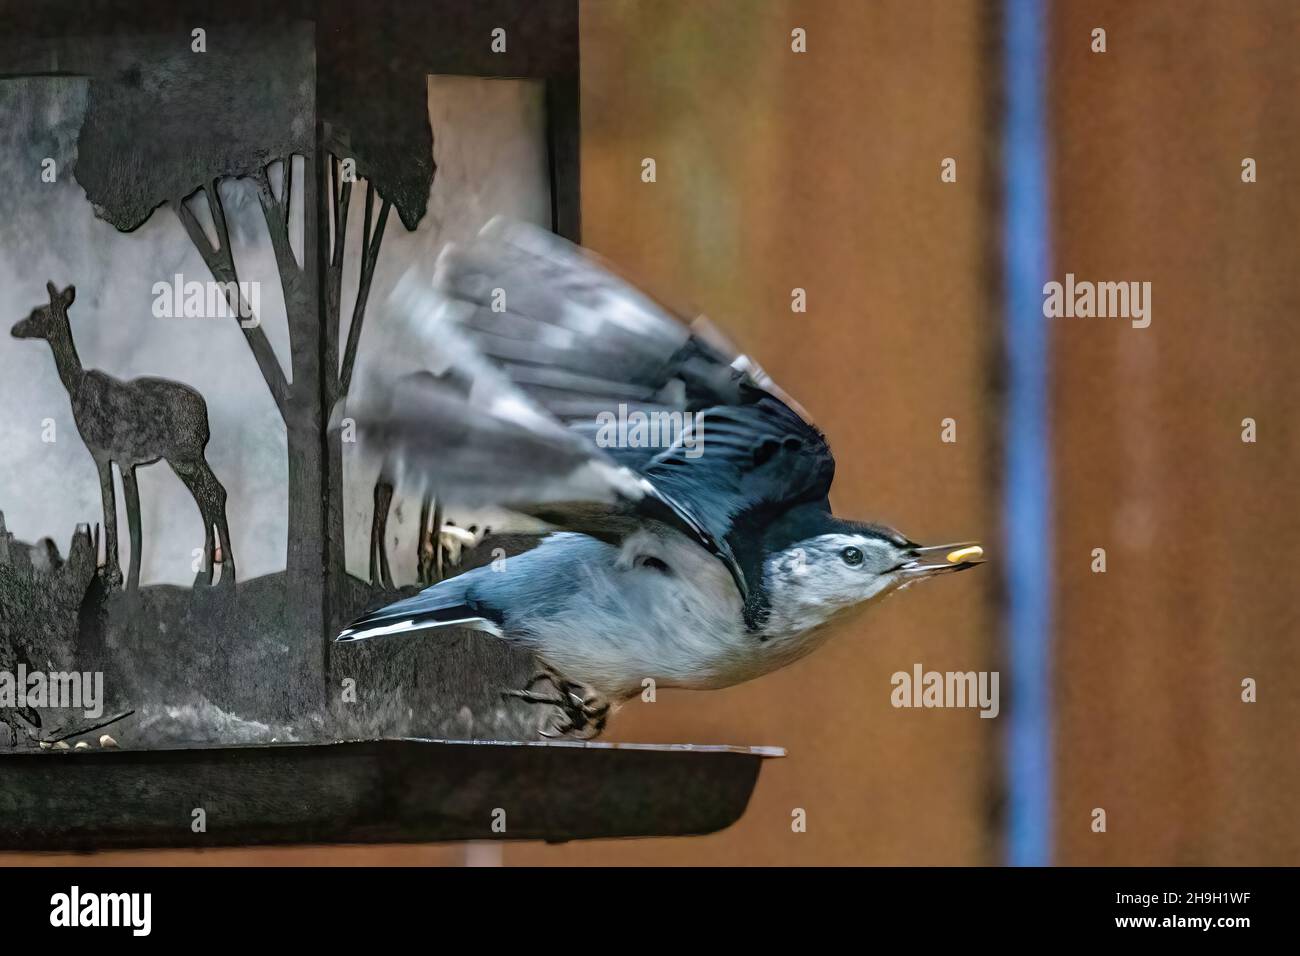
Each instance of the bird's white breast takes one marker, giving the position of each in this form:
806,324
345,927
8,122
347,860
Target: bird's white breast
631,621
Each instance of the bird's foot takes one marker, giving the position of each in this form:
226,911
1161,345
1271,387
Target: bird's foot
583,711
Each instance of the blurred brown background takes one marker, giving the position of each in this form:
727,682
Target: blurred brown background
1200,529
821,171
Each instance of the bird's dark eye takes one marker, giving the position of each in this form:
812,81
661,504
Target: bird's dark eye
851,556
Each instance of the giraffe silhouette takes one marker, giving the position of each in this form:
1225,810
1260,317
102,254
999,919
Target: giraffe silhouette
133,424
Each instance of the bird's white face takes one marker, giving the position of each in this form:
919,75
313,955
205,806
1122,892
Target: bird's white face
814,579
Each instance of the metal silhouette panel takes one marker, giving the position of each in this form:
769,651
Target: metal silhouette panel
209,216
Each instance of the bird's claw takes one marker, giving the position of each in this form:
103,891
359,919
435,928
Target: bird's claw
583,712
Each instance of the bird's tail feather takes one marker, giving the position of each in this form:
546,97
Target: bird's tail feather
426,610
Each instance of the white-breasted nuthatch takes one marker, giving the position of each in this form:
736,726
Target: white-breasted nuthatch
697,563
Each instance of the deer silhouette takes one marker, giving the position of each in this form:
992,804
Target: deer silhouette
135,423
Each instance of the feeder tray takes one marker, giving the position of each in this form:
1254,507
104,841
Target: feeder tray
371,791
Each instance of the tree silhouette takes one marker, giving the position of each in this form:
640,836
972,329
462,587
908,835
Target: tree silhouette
160,128
166,126
388,140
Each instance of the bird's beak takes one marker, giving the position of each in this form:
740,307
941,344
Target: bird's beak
929,560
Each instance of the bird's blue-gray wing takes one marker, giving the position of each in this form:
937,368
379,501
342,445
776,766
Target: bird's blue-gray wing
542,339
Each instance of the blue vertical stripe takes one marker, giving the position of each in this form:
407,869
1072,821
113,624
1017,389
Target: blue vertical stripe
1027,480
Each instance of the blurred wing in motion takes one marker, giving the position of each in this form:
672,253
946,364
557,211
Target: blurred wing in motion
477,442
531,340
577,338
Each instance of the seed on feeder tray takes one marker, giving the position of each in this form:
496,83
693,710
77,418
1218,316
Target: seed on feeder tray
965,554
62,745
81,745
45,744
107,742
